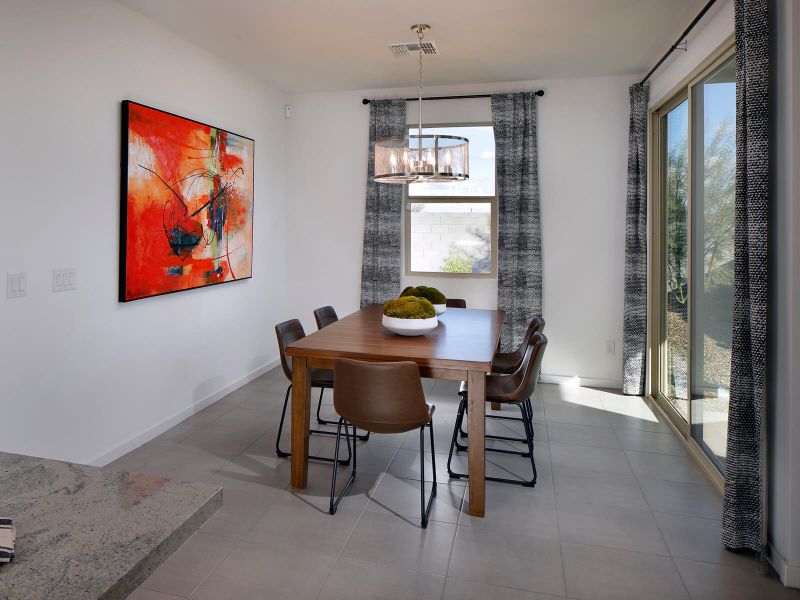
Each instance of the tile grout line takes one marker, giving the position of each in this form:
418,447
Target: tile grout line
355,524
455,533
453,545
238,541
555,499
658,527
204,579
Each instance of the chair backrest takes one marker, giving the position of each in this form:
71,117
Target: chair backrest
288,332
384,397
455,303
325,316
528,372
535,326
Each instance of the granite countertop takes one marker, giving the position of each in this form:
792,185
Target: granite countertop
88,532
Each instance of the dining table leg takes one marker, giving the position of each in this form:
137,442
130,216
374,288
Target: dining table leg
476,424
301,421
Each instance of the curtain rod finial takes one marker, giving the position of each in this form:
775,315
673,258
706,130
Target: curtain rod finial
365,101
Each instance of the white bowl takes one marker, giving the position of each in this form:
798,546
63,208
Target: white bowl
410,326
440,309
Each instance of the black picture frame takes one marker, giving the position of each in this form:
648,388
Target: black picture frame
123,203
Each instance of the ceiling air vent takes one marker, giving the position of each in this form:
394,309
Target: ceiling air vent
401,50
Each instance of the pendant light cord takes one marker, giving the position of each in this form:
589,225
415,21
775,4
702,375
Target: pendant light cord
420,35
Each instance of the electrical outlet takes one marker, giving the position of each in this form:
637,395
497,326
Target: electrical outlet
611,348
16,285
64,280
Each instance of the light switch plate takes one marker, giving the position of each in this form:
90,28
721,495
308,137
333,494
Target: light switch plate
64,280
16,285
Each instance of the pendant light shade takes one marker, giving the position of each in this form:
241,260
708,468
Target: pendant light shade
424,157
429,157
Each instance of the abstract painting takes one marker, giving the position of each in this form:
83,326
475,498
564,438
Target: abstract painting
186,204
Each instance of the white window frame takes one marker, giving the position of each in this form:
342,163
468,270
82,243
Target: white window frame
490,200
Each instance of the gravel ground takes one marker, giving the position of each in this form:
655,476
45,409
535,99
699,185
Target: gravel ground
717,359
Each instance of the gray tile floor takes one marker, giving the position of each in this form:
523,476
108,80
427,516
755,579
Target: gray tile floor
620,511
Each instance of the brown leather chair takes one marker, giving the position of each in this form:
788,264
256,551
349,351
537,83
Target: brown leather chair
325,316
515,388
288,332
455,303
508,362
384,397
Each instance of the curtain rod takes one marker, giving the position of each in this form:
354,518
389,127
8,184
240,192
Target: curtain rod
537,93
674,46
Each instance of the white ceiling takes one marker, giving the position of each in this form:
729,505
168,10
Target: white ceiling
316,45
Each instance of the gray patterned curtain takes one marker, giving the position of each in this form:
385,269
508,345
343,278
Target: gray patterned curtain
380,266
634,324
519,236
744,510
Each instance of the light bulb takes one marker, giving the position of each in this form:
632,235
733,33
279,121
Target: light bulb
393,160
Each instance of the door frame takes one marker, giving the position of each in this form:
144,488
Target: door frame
656,279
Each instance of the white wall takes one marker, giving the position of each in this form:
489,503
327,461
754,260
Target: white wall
583,127
711,33
784,252
83,377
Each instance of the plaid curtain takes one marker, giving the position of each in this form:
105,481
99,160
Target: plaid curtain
744,511
380,265
634,324
519,235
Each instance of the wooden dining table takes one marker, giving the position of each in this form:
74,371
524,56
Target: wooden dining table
461,348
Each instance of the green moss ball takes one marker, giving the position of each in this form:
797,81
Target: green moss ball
409,307
423,291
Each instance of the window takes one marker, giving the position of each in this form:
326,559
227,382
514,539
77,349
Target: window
695,161
713,199
450,227
675,168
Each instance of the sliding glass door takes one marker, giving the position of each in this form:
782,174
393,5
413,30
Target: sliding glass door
714,183
675,300
695,146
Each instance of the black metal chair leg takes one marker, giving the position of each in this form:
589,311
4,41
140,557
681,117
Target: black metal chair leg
528,426
503,438
464,434
334,504
426,510
320,420
284,454
278,450
433,457
529,431
454,441
524,440
530,413
422,477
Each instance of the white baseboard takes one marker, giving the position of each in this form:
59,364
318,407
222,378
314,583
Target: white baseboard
612,384
159,428
789,574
